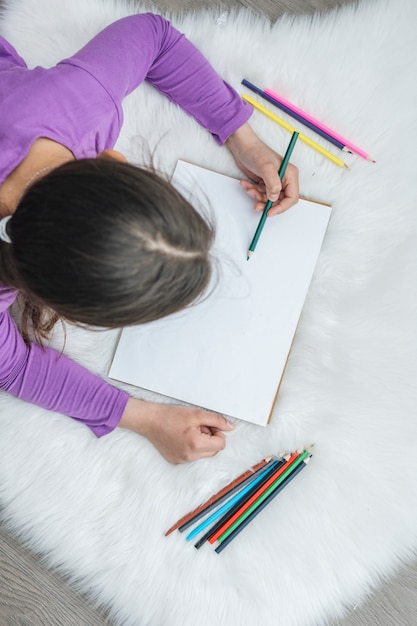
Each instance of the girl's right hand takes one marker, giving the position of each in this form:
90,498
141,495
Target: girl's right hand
261,164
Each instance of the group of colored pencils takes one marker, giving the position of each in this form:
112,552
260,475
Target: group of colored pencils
232,508
307,120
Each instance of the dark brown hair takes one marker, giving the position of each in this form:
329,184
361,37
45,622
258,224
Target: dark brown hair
107,244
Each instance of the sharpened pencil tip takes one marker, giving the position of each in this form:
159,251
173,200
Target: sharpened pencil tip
371,159
249,255
346,166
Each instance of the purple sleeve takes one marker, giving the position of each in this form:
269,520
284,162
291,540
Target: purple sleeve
51,380
146,47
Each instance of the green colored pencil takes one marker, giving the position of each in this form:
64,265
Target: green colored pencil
268,205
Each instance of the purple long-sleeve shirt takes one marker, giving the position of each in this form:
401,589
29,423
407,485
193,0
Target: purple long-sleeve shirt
78,104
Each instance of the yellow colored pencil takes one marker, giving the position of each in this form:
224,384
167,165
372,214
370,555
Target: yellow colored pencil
291,129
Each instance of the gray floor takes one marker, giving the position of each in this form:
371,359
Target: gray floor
30,595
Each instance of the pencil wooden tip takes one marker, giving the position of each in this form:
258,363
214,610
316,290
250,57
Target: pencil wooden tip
346,166
368,158
249,255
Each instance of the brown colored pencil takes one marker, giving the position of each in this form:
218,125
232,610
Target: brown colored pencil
217,496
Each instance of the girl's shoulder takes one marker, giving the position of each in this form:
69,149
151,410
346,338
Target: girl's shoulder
7,296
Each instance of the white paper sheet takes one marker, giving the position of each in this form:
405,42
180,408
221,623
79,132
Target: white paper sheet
228,353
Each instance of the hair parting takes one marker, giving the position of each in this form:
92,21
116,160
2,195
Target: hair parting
104,243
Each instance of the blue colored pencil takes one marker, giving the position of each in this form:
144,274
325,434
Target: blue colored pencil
214,516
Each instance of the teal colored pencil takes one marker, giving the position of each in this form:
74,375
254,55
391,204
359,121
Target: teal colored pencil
268,205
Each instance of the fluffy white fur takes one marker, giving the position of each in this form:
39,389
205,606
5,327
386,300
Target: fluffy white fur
97,509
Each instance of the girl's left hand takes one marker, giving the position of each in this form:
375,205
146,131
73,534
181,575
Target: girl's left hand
261,164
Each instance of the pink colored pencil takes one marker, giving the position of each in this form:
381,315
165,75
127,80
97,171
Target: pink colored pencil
348,144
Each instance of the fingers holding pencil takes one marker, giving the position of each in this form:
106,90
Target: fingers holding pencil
286,197
260,164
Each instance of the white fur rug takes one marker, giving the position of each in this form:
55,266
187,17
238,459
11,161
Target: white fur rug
98,509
